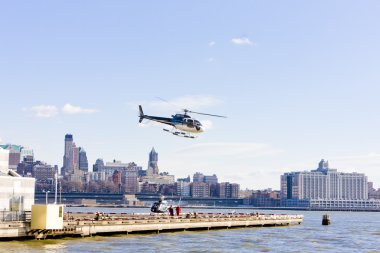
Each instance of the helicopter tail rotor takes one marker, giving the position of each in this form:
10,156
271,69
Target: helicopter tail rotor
141,114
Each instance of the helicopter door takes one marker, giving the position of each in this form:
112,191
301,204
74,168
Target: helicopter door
190,123
155,208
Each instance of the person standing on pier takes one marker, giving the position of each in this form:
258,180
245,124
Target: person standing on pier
171,211
178,210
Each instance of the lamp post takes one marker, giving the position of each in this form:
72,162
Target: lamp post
46,193
56,187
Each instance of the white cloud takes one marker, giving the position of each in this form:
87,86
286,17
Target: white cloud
72,109
207,124
42,111
211,43
242,41
50,111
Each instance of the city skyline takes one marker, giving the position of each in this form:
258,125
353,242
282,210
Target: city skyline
73,164
298,82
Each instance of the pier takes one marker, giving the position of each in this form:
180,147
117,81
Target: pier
88,224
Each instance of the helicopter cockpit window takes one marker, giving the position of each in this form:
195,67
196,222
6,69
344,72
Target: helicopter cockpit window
197,123
190,123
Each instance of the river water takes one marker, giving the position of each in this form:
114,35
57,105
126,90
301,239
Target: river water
348,232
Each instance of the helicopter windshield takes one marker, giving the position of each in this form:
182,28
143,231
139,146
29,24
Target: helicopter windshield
197,123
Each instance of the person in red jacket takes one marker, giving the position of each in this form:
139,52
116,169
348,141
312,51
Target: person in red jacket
178,210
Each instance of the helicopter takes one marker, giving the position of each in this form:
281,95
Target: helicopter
162,206
183,125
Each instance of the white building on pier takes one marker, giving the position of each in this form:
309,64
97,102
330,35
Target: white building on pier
16,192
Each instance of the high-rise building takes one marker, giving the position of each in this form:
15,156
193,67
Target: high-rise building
183,188
235,189
186,179
324,184
212,182
14,158
131,179
68,167
25,168
227,190
14,155
83,162
153,163
116,179
27,153
111,167
200,190
75,157
44,175
98,166
147,187
210,179
198,177
17,154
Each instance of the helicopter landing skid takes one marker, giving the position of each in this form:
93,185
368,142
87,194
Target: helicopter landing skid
179,133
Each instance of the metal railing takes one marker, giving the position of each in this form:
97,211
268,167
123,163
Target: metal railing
6,216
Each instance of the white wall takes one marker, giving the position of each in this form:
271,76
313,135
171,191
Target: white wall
14,189
4,160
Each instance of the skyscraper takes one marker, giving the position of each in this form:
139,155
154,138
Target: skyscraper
153,163
75,157
68,156
83,162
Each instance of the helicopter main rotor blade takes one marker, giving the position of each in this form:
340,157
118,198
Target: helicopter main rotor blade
188,111
207,114
163,100
169,103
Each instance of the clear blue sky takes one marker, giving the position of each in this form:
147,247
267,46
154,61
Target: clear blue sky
298,80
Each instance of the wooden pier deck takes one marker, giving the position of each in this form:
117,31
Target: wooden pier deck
85,224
